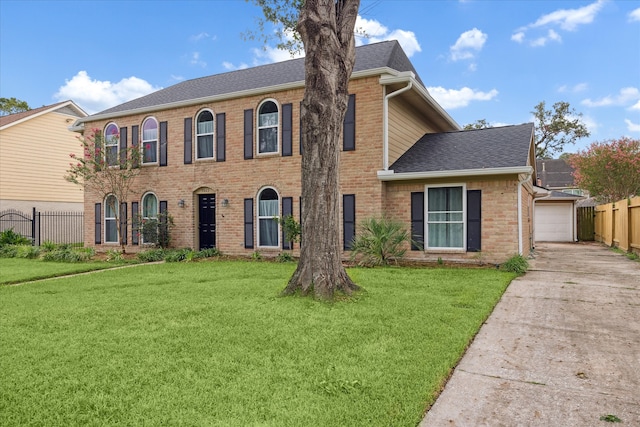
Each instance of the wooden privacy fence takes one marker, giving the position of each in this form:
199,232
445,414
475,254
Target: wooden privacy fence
618,224
586,223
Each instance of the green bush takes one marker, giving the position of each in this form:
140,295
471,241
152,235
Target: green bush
10,237
379,242
285,257
177,255
66,254
48,245
209,253
114,255
151,255
28,251
8,251
515,264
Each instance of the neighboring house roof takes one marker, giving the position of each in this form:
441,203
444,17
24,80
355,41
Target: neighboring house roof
560,195
64,107
387,54
554,173
490,148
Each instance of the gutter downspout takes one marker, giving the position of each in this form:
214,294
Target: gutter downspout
385,123
522,181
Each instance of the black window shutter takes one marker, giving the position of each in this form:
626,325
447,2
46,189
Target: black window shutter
474,220
417,221
163,143
123,223
287,209
348,220
220,137
98,223
349,128
287,125
134,143
163,206
123,145
248,223
248,134
135,225
188,140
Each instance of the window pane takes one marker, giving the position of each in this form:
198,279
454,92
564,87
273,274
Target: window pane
268,208
268,140
112,155
205,146
445,217
205,127
110,206
443,235
150,206
270,119
111,231
268,232
150,153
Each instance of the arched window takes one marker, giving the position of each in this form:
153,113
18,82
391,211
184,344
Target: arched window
111,136
149,218
268,122
150,141
111,219
204,135
268,218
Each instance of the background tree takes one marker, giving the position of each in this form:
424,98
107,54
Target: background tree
326,30
609,170
103,176
557,127
478,124
12,106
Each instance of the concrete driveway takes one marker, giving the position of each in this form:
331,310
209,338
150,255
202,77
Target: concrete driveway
562,347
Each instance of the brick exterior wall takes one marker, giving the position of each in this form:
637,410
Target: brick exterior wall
236,179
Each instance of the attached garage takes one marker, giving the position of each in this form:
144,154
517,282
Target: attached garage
555,219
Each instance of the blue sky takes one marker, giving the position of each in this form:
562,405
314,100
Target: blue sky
479,59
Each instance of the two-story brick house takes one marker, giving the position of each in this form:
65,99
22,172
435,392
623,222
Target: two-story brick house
222,155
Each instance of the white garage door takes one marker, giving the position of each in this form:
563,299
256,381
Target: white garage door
554,222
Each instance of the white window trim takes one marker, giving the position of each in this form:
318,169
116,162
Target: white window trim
195,132
278,132
258,218
464,218
157,140
117,145
116,219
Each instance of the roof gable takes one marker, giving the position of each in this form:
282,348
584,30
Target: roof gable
491,148
372,56
64,107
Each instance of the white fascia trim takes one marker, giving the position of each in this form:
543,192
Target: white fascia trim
225,96
389,175
47,111
408,76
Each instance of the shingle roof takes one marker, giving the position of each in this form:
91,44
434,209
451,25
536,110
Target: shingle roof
554,173
371,56
497,147
12,118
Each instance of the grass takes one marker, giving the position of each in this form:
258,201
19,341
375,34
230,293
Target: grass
212,344
17,270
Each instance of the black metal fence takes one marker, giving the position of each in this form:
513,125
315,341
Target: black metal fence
53,226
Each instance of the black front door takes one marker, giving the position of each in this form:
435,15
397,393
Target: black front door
207,224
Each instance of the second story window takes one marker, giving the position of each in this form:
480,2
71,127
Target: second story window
150,141
111,135
204,135
268,127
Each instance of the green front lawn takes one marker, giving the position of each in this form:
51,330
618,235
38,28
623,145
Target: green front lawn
212,343
16,270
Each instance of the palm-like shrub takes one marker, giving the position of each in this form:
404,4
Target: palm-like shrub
379,242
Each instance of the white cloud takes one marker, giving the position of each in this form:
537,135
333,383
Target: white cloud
634,15
636,106
372,31
627,95
195,60
518,37
632,127
96,95
580,87
231,67
203,35
564,19
569,19
468,44
456,98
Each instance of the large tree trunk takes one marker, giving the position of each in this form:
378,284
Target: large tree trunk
326,28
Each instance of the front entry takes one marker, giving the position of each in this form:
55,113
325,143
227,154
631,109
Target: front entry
207,220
